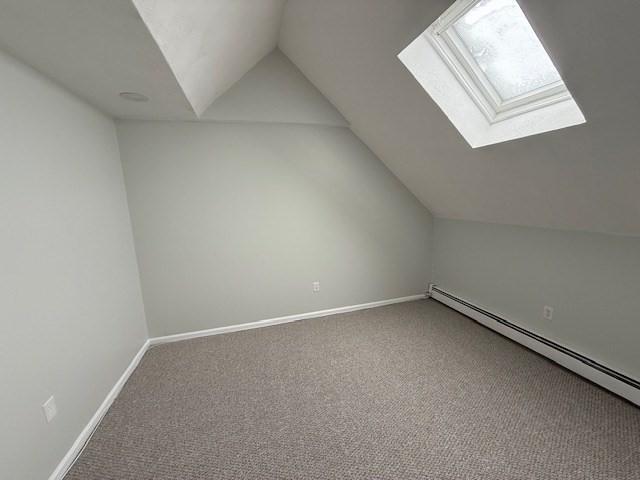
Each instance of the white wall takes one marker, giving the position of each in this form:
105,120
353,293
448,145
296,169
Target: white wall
591,280
71,315
275,91
233,222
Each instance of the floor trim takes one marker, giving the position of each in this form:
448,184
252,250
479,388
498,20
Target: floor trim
279,320
67,461
600,374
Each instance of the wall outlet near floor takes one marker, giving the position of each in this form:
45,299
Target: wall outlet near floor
548,313
316,286
49,408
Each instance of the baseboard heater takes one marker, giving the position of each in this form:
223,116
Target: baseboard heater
606,377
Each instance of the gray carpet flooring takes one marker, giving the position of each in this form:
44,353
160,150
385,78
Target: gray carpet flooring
410,391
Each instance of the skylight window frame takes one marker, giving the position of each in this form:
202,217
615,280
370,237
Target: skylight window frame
457,57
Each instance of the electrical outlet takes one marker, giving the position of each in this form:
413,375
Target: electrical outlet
548,313
49,408
316,287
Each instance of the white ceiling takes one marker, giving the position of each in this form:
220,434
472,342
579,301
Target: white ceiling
96,49
274,91
183,55
211,44
585,177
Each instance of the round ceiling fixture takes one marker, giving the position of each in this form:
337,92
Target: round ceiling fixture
134,96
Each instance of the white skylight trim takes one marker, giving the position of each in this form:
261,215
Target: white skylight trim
485,67
492,49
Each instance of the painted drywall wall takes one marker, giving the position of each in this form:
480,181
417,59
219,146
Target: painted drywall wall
234,222
274,91
591,280
71,312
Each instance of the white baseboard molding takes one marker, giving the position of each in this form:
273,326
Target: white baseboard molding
279,320
68,460
616,382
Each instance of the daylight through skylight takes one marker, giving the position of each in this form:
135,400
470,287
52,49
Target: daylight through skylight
500,39
491,47
484,65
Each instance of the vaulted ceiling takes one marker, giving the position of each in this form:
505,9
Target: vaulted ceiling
180,54
585,177
96,49
211,44
184,55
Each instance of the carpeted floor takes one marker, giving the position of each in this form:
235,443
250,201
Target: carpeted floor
410,391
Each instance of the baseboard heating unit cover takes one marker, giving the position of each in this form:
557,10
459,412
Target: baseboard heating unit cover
597,372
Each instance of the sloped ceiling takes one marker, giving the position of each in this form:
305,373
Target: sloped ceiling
190,52
96,49
274,91
211,44
584,178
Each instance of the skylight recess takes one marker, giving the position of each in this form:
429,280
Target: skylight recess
491,46
485,67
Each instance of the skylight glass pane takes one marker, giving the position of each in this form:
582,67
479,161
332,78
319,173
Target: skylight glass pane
501,40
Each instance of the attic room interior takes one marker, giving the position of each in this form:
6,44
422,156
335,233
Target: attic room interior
339,239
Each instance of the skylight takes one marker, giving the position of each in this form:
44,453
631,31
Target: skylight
499,38
497,59
492,48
